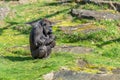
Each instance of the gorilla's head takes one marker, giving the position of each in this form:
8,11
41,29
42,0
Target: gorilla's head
47,26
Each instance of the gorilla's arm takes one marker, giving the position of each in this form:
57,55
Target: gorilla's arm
49,39
41,39
38,38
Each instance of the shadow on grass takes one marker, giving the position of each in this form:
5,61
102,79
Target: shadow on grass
49,16
8,26
21,27
108,42
34,21
12,23
2,29
58,3
57,13
18,58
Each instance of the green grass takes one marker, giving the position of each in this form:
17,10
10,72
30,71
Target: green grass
16,62
24,67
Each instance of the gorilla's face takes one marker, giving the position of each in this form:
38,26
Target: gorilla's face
47,27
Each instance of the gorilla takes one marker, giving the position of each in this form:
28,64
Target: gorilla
41,39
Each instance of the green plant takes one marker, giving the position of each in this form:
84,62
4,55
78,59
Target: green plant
112,53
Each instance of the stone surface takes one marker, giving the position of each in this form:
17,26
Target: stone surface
89,14
4,12
116,71
48,76
112,4
72,75
82,63
72,49
84,28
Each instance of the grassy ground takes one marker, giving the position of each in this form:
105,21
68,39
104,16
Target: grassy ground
16,62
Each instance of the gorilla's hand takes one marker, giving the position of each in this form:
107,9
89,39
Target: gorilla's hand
52,37
40,42
52,44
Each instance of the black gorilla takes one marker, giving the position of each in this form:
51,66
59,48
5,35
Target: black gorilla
41,39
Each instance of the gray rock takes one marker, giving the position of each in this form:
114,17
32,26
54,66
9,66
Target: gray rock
48,76
82,63
72,75
72,49
116,71
4,12
83,28
89,14
112,4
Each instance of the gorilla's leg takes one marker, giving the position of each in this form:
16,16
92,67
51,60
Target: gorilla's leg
41,52
34,54
52,44
48,50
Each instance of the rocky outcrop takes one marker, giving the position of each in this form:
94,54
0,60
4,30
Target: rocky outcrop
89,14
72,49
83,28
72,75
112,4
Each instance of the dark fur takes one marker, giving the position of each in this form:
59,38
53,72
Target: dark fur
41,39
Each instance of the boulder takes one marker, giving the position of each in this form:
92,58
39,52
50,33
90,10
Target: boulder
72,75
97,15
72,49
82,28
112,4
